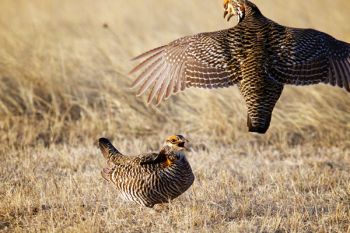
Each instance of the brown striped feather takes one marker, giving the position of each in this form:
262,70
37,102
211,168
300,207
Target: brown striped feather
157,85
257,53
151,79
145,62
146,73
148,53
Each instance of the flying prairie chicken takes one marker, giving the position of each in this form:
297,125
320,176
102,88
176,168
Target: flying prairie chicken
150,178
257,54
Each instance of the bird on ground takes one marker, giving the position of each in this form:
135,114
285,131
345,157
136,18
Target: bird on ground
149,178
258,55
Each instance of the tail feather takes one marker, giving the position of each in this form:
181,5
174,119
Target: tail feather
107,149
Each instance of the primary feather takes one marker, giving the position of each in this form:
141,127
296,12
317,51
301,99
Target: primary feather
258,55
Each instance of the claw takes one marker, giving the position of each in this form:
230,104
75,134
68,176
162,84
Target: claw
225,13
229,10
234,8
228,19
225,7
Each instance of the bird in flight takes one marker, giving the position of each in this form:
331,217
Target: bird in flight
258,55
149,178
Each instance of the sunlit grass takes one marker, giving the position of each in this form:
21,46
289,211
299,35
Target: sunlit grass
63,84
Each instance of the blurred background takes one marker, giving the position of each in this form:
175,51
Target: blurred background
63,76
64,84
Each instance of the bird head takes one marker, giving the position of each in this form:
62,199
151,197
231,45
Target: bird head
176,143
235,8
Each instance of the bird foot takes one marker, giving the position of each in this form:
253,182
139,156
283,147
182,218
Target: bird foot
234,8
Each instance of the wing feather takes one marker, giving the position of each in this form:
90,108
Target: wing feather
158,83
313,57
165,84
149,53
194,61
171,85
346,75
145,62
150,79
146,73
179,78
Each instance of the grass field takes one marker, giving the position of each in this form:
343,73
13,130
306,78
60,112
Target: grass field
63,84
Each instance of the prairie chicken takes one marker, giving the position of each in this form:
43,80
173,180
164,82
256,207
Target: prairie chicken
257,54
149,178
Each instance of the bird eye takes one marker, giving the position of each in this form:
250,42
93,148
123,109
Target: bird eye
173,140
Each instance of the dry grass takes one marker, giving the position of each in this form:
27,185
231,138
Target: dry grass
63,85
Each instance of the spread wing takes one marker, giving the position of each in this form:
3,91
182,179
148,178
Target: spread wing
203,60
311,57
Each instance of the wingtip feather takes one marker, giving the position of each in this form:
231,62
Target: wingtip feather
149,52
145,63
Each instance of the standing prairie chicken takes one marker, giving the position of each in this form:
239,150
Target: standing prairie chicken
149,178
257,54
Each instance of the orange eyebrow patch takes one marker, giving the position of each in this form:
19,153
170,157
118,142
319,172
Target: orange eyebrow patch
174,137
226,1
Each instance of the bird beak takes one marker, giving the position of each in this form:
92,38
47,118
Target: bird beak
184,144
187,146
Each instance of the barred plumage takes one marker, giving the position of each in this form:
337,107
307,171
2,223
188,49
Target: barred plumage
149,178
258,55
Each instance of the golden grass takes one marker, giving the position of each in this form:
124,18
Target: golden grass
247,188
63,85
